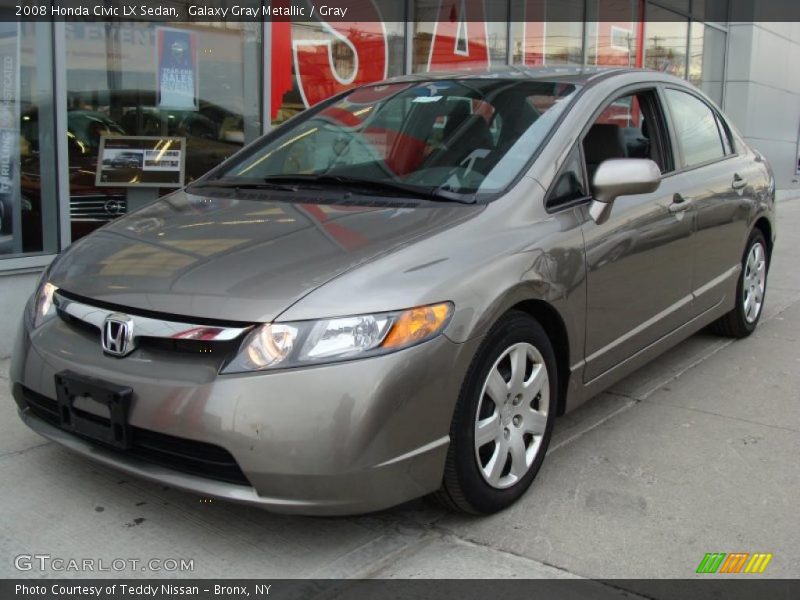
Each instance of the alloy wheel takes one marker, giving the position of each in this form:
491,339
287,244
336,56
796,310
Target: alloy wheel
754,283
512,415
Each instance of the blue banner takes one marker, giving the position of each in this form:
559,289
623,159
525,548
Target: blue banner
177,69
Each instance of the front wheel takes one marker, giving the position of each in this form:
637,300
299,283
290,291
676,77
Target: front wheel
503,419
750,291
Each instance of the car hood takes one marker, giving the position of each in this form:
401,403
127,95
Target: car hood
243,258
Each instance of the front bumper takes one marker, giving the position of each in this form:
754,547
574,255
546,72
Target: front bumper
345,438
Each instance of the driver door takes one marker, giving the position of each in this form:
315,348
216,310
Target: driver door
639,262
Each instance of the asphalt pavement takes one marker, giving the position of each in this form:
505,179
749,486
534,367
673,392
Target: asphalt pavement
696,452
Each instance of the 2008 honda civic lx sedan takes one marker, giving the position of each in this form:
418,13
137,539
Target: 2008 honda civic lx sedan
395,293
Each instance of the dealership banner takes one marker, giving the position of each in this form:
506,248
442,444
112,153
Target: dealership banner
341,10
177,68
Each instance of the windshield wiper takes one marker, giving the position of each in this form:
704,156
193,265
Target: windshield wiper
378,185
246,184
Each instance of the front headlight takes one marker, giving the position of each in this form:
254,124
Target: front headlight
283,345
42,307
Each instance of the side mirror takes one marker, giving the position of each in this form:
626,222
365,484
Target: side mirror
621,177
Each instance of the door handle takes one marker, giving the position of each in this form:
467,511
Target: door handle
679,203
738,182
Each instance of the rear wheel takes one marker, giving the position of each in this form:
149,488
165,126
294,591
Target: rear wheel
750,291
503,419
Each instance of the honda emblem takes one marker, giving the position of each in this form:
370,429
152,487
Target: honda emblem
117,335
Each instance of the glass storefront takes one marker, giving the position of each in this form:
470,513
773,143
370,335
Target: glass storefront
684,46
613,42
216,86
28,205
313,61
707,59
666,42
446,40
113,89
547,32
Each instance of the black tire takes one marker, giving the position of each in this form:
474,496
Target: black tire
464,488
735,324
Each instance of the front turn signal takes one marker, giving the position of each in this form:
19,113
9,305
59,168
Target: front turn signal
416,325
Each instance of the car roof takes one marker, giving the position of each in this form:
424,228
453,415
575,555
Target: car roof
579,75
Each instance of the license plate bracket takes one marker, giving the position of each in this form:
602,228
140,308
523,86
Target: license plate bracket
113,430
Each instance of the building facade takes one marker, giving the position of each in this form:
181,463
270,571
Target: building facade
66,88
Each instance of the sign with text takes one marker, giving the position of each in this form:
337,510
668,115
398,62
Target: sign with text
176,60
141,161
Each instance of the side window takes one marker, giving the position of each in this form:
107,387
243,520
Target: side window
631,126
569,184
695,128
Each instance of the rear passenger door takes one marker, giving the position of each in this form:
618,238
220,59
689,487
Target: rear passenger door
719,186
639,262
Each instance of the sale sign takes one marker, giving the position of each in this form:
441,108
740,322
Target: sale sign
460,39
345,54
317,75
176,62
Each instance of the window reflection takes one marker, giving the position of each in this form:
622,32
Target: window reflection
612,31
458,35
547,32
118,84
707,60
696,128
28,200
311,61
665,41
446,135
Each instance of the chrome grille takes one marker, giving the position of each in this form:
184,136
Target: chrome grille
167,330
97,208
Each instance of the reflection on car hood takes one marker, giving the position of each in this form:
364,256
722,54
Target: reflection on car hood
246,258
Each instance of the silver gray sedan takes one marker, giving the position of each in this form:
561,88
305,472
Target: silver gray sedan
397,292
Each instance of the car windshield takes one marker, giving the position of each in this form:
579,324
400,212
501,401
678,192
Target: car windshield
445,138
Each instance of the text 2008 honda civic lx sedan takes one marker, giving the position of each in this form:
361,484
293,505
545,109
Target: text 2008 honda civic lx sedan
395,293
